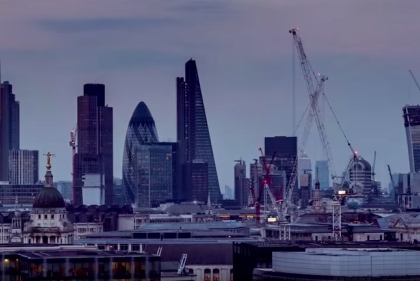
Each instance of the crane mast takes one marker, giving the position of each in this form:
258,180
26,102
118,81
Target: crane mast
315,87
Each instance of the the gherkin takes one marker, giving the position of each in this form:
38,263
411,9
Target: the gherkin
141,132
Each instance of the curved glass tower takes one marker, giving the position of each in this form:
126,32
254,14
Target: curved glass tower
141,132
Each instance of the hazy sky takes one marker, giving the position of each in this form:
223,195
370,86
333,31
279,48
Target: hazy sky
49,49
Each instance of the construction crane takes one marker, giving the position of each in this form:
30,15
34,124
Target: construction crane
257,201
394,186
314,87
73,145
415,80
274,206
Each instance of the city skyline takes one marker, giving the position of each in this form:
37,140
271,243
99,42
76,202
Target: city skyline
246,78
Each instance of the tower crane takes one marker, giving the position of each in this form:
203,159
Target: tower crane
257,198
394,186
314,87
73,145
415,80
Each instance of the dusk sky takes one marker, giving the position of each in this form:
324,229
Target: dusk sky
49,49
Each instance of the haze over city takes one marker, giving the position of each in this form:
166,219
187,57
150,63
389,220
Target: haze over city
244,57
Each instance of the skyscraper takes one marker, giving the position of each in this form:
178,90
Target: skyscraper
241,190
9,127
192,129
148,166
286,153
412,130
23,166
94,139
321,167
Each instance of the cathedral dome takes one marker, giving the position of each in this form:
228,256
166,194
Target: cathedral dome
49,198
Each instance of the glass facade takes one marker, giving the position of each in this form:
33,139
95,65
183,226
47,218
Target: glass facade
193,131
141,132
412,126
323,174
25,193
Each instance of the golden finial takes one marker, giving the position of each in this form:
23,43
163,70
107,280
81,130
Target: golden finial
49,160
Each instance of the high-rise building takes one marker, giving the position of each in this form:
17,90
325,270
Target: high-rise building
412,130
94,140
286,153
241,190
150,168
196,181
323,174
360,176
192,129
255,176
228,193
23,166
141,132
9,127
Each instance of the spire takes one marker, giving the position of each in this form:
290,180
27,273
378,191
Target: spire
316,177
16,206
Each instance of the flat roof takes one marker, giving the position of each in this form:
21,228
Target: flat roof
166,241
59,254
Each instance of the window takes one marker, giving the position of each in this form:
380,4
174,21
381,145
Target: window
52,216
45,216
207,274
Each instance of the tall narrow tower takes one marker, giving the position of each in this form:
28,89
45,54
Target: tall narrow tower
94,140
9,127
412,128
192,129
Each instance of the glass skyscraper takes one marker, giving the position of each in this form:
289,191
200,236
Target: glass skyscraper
147,164
192,129
9,127
412,128
323,174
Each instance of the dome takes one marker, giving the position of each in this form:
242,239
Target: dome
49,198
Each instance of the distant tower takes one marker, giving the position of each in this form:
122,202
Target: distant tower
94,140
9,127
241,190
192,128
360,175
317,201
412,129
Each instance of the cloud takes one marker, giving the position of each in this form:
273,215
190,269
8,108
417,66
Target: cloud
65,26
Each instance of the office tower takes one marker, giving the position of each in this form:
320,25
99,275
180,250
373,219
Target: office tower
360,176
228,193
150,170
176,171
412,130
323,174
94,140
286,152
305,189
255,176
141,132
9,127
23,166
305,164
65,188
196,181
192,128
241,192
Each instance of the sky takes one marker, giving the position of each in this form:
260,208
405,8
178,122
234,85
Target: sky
243,49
